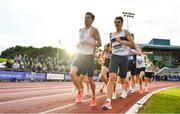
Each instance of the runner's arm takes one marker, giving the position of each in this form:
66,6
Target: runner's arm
129,41
138,52
110,41
97,37
101,59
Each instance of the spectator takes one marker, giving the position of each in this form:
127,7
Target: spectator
8,64
30,62
16,58
39,67
19,60
44,69
24,59
22,66
16,65
34,69
27,60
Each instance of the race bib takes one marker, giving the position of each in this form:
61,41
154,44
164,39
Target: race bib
82,45
130,57
83,37
139,62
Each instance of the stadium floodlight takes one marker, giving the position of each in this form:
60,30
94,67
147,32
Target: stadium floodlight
128,15
58,53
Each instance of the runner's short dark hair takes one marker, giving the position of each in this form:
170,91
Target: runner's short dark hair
91,14
108,45
119,17
132,35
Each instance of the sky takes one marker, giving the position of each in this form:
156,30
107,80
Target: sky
41,23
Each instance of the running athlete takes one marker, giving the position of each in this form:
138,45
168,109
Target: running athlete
140,65
150,69
89,39
131,75
105,61
120,40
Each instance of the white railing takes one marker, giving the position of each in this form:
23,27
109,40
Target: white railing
161,70
166,70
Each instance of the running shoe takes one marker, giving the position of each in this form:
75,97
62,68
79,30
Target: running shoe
123,95
106,106
114,95
132,91
146,89
93,102
78,97
141,91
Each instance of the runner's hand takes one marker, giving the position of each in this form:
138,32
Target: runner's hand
119,40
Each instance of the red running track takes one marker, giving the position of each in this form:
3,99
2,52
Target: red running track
56,97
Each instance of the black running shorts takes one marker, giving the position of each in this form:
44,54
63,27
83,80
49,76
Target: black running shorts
85,64
107,62
149,74
140,69
119,62
132,67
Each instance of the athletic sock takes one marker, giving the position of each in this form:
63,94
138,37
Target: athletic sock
123,87
108,100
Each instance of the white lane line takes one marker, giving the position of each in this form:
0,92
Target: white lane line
37,86
34,98
43,87
32,89
35,91
38,91
25,86
65,106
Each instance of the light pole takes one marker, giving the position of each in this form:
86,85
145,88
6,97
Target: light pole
128,15
58,51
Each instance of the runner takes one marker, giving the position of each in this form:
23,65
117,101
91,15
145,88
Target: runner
120,40
150,69
131,75
105,60
140,65
104,74
89,39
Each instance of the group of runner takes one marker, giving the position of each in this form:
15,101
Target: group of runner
121,57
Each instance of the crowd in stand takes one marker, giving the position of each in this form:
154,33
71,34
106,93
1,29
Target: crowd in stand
37,64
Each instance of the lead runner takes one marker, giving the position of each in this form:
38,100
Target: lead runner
89,38
121,41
